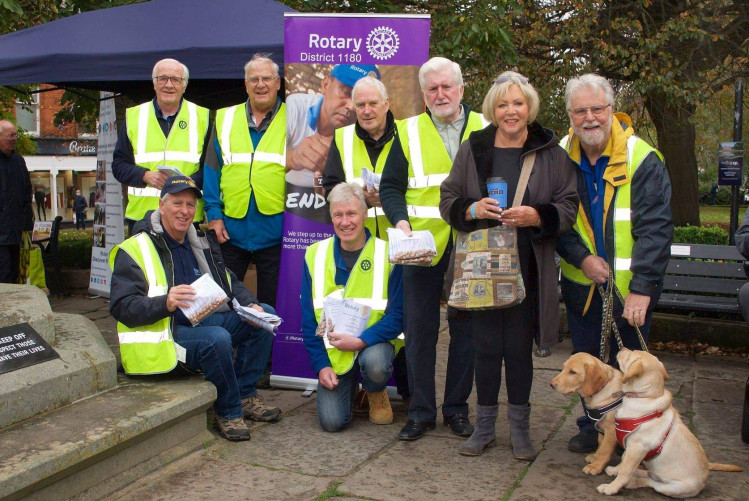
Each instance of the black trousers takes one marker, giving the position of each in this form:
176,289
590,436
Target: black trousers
267,261
504,335
422,289
41,212
10,256
80,220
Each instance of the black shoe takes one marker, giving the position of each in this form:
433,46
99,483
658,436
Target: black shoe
415,429
585,442
459,425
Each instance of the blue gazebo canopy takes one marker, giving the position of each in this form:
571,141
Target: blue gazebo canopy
116,48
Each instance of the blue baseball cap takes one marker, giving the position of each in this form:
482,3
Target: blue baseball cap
176,184
349,74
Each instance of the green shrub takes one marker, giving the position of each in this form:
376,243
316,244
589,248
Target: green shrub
722,197
711,235
75,249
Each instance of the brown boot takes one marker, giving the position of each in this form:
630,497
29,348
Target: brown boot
380,411
361,403
232,429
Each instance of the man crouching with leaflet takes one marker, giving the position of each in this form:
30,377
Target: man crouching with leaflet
352,264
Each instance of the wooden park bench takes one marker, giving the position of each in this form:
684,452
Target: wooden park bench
703,278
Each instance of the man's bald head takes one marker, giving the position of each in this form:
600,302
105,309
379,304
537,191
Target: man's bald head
8,136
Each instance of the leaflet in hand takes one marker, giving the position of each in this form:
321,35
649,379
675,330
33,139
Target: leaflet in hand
418,249
208,297
343,316
170,171
266,321
370,179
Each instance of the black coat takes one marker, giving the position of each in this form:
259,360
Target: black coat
15,199
129,301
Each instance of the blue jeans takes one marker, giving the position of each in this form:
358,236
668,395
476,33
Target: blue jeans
210,346
376,366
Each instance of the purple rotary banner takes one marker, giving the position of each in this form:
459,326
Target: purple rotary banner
324,56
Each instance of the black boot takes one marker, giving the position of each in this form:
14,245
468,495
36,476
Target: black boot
519,416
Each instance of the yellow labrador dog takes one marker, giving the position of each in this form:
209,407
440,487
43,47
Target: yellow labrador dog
595,382
651,431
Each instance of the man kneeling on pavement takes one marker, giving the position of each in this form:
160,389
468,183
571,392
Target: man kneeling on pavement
151,273
352,264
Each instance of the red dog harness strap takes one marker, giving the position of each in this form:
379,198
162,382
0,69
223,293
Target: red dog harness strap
626,426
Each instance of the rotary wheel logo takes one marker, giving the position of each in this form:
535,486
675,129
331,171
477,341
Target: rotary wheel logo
182,124
382,43
366,265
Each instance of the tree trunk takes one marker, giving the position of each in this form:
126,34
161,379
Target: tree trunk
676,141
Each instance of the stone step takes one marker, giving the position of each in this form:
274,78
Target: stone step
96,446
86,366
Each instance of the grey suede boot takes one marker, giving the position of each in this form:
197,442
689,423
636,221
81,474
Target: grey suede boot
519,416
483,435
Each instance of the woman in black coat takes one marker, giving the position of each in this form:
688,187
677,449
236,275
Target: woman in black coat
548,208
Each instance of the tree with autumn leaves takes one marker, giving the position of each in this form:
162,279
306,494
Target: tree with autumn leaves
672,55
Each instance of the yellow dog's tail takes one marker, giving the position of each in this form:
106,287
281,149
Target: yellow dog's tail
723,467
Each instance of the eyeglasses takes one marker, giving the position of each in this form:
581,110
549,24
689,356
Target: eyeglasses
163,79
510,78
267,79
583,112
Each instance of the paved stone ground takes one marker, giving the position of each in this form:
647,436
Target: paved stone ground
295,459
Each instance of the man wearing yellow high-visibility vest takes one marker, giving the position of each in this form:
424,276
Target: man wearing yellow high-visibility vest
623,224
421,158
367,143
353,264
152,273
243,182
169,132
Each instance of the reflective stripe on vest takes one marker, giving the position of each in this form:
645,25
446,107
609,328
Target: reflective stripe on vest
246,170
146,349
429,165
354,156
366,285
181,149
637,151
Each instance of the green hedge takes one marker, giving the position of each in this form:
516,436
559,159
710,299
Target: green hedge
75,249
711,235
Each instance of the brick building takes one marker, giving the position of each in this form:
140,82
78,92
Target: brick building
65,159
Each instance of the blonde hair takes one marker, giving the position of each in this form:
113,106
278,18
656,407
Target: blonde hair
501,86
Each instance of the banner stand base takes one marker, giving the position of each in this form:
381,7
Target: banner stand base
308,386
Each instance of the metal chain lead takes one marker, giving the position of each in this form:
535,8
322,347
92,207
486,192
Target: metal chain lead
607,319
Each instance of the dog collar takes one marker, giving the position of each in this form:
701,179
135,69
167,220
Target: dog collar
629,394
596,414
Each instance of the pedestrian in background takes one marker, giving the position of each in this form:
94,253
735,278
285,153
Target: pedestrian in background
15,203
79,207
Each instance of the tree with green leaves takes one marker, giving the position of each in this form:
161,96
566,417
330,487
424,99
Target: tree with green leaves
674,55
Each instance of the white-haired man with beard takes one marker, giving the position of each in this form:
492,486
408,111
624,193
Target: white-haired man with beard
623,230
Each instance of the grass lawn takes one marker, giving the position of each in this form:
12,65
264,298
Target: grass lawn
718,214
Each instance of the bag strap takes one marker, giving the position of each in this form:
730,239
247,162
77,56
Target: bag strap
525,174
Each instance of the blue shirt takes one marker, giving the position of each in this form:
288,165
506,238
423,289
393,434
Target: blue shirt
186,269
596,188
255,230
389,326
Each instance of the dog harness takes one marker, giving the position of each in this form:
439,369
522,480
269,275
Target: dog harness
596,415
626,426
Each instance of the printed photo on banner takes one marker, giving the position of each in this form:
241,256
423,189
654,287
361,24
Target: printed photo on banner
100,233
